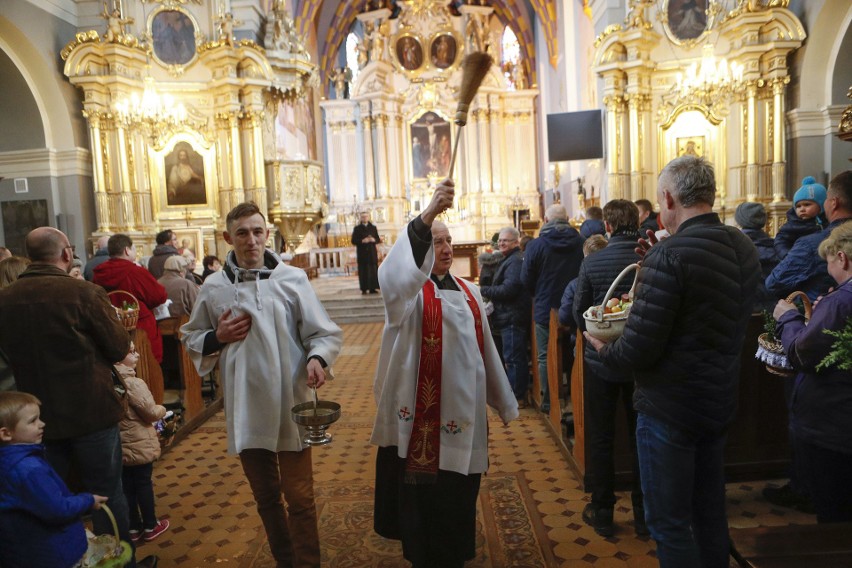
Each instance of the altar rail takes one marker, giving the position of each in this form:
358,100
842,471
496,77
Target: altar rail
333,261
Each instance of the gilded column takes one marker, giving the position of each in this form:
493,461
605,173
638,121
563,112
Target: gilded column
124,176
254,121
486,180
239,194
633,102
752,169
381,156
369,152
613,119
778,155
101,199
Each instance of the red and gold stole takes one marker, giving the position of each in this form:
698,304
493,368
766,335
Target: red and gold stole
424,446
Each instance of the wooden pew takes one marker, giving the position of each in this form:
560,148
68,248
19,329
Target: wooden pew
192,400
554,369
536,379
303,261
148,369
757,445
793,546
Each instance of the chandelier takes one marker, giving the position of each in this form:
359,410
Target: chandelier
709,82
151,109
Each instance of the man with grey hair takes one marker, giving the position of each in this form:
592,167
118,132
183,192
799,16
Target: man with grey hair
101,255
550,263
511,315
682,343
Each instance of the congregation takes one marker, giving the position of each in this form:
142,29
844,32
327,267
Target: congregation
674,369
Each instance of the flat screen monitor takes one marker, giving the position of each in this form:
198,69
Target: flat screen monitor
575,135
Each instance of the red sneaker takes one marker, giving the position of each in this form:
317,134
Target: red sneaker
135,536
159,528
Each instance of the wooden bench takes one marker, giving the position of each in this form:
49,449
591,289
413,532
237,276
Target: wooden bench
303,261
794,546
192,400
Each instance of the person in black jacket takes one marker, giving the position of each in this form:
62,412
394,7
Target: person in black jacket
682,342
512,307
365,237
605,388
647,217
751,217
550,262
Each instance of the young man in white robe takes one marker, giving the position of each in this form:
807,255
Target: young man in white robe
437,370
262,321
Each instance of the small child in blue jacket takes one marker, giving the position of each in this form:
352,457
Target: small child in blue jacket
805,217
40,524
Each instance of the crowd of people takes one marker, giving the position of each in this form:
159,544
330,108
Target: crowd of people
79,405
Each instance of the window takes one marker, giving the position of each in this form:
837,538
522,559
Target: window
511,55
352,54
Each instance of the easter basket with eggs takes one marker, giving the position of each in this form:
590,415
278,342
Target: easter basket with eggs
769,349
606,321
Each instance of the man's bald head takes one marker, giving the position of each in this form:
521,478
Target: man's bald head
49,246
103,241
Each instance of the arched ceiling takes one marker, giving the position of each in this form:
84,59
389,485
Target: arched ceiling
331,21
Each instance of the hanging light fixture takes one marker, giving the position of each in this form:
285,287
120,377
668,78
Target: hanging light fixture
151,109
710,81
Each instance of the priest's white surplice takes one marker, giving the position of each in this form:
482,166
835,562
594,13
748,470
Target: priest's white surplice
265,374
468,383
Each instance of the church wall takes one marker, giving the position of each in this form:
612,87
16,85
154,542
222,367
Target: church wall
18,110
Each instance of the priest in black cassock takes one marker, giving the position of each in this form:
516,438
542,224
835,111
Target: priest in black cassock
365,237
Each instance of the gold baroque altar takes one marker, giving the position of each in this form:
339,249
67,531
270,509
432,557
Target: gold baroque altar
654,113
182,122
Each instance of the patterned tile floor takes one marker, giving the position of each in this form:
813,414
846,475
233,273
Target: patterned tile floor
530,511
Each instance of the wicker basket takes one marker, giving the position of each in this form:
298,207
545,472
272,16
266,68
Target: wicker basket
107,550
769,349
609,327
129,317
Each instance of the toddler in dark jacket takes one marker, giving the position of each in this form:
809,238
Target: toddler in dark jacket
40,524
807,216
751,217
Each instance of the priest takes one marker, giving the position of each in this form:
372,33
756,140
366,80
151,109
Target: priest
365,237
431,424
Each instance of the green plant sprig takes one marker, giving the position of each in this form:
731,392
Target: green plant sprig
840,355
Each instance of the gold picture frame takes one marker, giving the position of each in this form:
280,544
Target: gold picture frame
687,22
409,54
174,38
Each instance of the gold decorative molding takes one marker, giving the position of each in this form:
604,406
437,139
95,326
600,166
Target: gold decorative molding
844,132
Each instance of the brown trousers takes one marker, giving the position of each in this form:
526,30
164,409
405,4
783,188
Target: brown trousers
293,534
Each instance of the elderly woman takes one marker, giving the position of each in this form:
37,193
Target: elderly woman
181,292
10,268
821,409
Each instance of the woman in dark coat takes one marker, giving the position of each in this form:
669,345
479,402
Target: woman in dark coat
820,417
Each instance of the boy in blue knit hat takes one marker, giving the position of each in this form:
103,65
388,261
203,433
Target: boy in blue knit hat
807,216
40,524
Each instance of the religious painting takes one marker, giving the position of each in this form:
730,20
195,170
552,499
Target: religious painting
431,146
173,34
690,146
409,52
443,51
185,184
686,19
190,240
21,217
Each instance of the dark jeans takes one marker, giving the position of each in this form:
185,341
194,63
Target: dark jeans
515,357
542,335
827,475
139,491
684,486
97,458
601,402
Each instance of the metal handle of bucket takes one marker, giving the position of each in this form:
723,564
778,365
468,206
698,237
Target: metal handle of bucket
615,282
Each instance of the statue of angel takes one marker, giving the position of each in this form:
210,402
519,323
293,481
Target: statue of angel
341,76
115,24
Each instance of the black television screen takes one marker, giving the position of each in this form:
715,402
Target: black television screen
575,135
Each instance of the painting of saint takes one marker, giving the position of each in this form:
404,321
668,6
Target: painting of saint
185,176
443,51
693,146
174,37
21,217
687,18
409,53
431,146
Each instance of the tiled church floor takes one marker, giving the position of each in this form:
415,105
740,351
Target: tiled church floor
529,511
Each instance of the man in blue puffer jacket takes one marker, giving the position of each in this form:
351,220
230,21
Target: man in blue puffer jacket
550,262
682,343
802,268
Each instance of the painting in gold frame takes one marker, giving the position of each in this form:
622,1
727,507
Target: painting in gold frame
691,146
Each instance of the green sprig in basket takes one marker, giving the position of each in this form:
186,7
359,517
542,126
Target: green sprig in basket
770,351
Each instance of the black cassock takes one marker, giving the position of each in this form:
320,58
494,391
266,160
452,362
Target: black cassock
368,259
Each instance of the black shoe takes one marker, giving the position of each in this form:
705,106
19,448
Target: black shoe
598,519
786,496
374,292
363,292
639,522
148,562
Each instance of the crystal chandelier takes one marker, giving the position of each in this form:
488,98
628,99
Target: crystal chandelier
152,109
713,80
